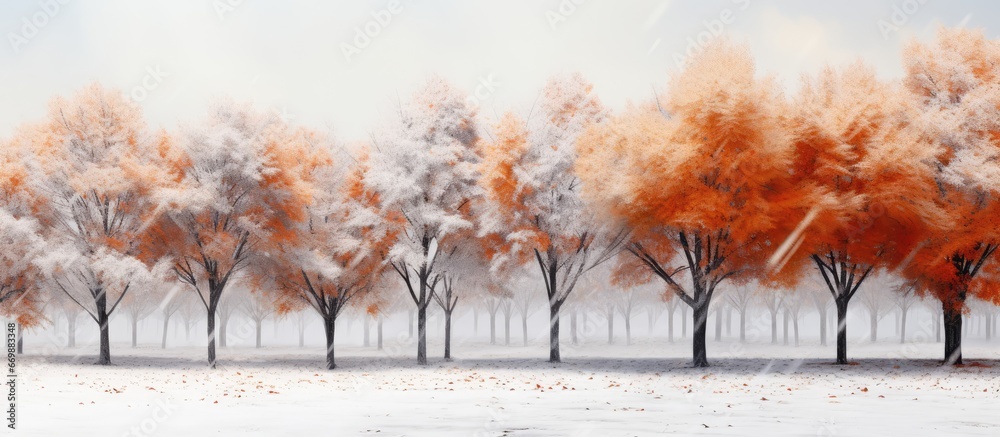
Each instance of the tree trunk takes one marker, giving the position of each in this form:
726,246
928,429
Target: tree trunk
135,329
506,329
784,327
670,324
302,336
422,335
841,331
718,325
611,325
699,348
937,327
103,322
223,323
524,327
447,335
822,326
20,340
554,330
795,329
874,329
743,325
684,326
952,335
166,325
902,327
71,335
211,335
628,331
367,321
774,327
493,327
475,321
729,320
379,334
258,325
572,327
897,317
410,325
330,329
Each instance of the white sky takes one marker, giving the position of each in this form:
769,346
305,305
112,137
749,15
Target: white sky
288,55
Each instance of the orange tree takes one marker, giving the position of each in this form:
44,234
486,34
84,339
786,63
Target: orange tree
245,185
703,181
855,147
99,168
335,259
953,80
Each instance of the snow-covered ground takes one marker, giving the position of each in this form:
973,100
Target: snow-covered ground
600,390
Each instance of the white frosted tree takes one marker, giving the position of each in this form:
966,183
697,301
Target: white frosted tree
424,168
536,207
241,190
99,168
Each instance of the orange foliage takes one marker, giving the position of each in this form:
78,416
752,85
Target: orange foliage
953,79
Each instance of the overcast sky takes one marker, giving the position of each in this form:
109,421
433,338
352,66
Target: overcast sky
307,60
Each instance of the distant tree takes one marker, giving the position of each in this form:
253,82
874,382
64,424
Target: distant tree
904,298
740,298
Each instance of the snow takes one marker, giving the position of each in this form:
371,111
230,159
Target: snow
600,390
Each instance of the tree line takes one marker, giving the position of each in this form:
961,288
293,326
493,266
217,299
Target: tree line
720,179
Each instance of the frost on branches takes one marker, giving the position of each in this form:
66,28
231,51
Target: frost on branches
537,214
953,79
335,258
423,167
98,167
242,188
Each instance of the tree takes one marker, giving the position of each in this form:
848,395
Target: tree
856,147
703,179
335,257
72,312
821,299
138,306
460,264
22,239
242,190
98,167
535,194
773,301
740,298
302,319
524,299
878,304
257,305
952,80
227,306
793,310
189,310
424,168
904,298
493,303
